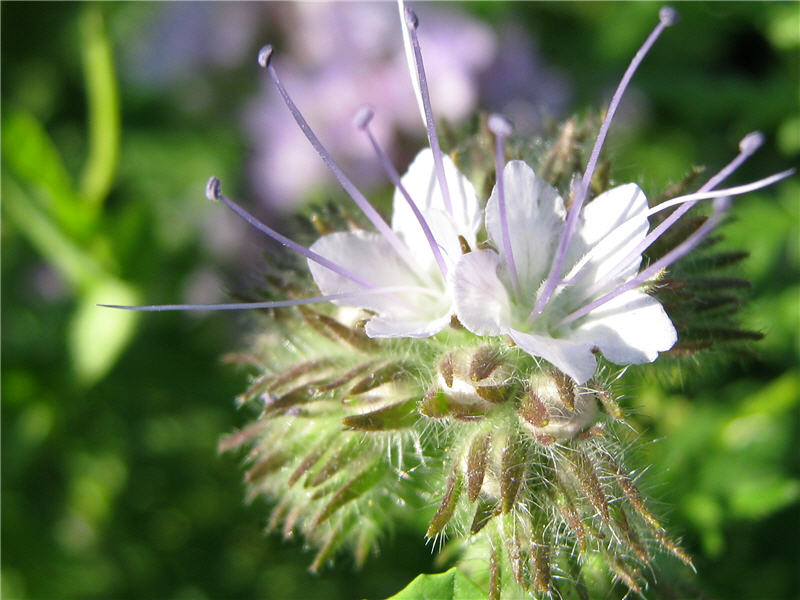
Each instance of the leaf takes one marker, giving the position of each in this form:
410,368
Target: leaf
98,335
73,262
450,585
32,156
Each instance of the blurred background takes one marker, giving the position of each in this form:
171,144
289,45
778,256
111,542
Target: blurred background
113,118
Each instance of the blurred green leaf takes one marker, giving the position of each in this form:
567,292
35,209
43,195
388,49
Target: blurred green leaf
72,262
103,98
34,159
450,585
98,335
759,497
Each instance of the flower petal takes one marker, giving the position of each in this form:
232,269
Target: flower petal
535,215
370,256
381,327
573,358
421,184
631,329
480,299
612,225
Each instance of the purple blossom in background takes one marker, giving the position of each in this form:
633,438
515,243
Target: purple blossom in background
340,57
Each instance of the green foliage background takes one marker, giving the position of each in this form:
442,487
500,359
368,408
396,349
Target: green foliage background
111,483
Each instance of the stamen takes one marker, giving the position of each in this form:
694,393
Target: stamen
738,190
721,206
265,60
214,192
259,305
433,139
667,17
747,147
362,120
502,128
689,200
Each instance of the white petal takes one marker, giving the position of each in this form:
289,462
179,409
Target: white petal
535,215
612,225
631,329
422,185
370,257
480,299
573,358
380,327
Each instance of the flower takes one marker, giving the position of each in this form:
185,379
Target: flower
630,329
423,304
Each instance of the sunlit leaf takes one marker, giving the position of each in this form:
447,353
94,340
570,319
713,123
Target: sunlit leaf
98,335
450,585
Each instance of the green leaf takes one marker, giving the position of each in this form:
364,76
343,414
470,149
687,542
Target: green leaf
103,98
450,585
76,265
98,335
32,156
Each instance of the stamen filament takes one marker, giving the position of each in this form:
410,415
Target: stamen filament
214,192
501,128
747,147
259,305
685,200
362,121
667,17
721,207
430,128
264,59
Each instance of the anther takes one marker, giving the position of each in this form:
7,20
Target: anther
264,56
411,19
668,16
363,117
500,125
751,142
213,188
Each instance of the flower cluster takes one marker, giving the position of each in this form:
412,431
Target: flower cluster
460,357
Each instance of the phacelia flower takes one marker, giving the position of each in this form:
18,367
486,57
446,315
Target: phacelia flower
434,395
496,291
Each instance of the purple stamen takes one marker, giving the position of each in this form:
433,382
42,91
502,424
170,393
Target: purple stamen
667,17
502,128
686,200
721,206
362,121
265,60
214,192
747,147
248,305
433,139
738,190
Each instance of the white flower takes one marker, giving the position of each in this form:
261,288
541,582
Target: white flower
629,329
421,303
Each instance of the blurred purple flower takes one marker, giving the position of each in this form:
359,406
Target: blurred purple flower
340,57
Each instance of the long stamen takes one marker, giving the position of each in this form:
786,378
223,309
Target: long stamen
362,121
502,128
433,139
259,305
265,60
721,206
695,197
667,17
214,192
747,147
686,200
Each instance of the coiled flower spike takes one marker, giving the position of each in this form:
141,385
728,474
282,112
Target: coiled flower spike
467,379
